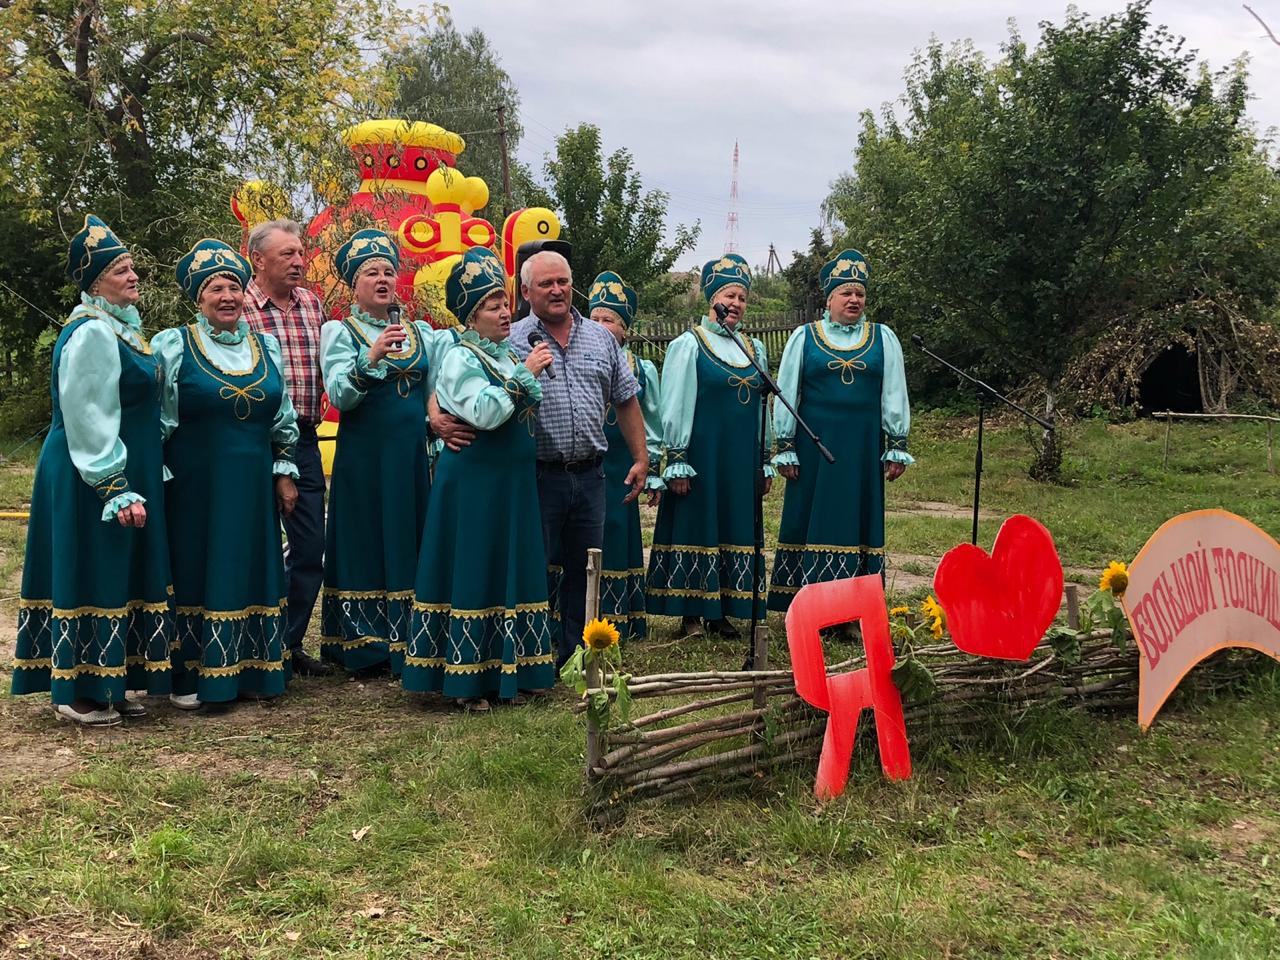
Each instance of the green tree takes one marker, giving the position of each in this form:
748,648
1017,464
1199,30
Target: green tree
802,275
1017,205
611,221
457,81
150,113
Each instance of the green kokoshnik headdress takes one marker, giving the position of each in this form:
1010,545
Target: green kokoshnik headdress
847,266
364,247
91,251
611,292
728,270
473,278
208,259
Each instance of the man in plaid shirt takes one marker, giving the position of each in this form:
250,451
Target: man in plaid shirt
276,303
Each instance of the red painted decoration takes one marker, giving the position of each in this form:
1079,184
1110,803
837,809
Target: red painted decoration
1000,606
845,696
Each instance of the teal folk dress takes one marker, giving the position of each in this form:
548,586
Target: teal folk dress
95,612
231,429
481,624
701,561
848,383
622,574
378,493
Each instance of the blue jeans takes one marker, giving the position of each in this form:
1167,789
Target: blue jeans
572,523
304,570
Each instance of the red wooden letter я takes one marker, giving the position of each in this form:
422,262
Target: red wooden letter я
843,697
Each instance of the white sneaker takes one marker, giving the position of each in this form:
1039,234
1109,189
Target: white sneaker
186,701
101,717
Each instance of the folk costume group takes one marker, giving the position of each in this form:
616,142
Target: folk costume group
474,467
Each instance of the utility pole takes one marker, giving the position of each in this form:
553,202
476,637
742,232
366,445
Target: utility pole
506,162
773,263
731,224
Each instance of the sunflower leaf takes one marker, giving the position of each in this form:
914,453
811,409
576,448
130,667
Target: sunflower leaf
914,681
623,699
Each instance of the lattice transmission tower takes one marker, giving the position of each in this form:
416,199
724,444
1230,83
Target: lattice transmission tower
731,225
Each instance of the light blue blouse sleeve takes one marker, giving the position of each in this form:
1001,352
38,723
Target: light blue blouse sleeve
679,397
789,376
345,365
464,390
651,407
762,357
167,348
895,410
437,344
284,428
89,397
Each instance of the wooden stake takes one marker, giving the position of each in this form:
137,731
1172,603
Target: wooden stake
760,658
593,671
1168,428
1073,606
1271,461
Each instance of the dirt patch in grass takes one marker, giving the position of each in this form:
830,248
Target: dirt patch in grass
79,937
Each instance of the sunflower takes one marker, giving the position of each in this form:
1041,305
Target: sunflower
1115,578
933,612
599,635
899,611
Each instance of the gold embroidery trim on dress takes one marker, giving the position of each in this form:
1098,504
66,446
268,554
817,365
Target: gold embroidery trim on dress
704,594
68,614
847,367
368,594
93,669
142,346
454,614
482,667
825,548
255,352
242,398
242,614
346,644
622,574
21,664
682,548
270,666
403,354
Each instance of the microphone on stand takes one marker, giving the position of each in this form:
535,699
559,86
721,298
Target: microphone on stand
722,312
917,340
393,317
536,338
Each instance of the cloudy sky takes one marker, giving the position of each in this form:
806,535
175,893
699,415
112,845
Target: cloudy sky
678,82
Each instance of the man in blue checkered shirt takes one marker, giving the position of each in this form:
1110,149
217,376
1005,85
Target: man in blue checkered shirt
590,374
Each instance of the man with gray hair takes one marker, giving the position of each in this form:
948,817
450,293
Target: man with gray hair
588,373
275,302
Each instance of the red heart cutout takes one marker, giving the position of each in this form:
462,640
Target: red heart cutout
1000,606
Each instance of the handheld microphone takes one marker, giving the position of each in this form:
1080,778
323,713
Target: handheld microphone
393,317
536,338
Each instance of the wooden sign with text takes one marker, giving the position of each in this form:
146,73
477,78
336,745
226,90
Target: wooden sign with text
1205,581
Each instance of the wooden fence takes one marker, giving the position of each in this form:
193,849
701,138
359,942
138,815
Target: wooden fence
649,339
1169,416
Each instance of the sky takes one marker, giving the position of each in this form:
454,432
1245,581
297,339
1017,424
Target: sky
678,83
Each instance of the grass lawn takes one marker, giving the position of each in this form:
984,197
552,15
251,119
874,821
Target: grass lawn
350,820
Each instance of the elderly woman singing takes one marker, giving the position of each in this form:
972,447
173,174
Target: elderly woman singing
481,624
376,372
231,433
95,618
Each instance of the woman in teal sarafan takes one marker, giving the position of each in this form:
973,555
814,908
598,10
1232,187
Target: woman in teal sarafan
95,613
613,304
700,567
481,623
231,434
845,377
379,375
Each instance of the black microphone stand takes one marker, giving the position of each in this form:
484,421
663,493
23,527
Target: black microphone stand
984,391
767,386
